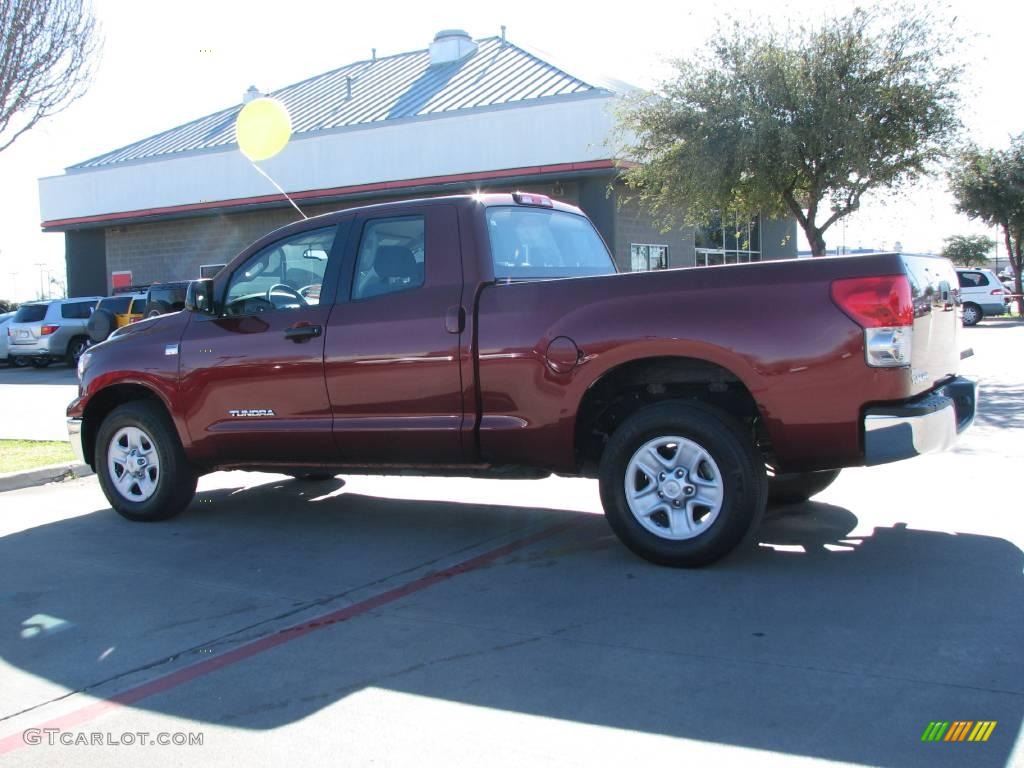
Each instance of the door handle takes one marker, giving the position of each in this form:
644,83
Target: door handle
305,332
455,319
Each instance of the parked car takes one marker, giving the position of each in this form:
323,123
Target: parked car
162,298
113,312
5,318
490,335
981,294
44,331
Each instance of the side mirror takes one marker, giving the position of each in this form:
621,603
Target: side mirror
199,296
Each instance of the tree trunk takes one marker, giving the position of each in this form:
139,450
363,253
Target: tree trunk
1014,255
816,240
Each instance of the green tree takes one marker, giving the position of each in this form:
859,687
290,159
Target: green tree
989,186
47,49
798,122
968,250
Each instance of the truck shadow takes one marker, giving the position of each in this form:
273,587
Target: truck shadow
800,643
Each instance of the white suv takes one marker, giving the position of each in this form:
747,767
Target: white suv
981,294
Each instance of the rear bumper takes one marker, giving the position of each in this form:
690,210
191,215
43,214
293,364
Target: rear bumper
925,425
75,436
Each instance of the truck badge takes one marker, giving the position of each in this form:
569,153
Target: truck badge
252,412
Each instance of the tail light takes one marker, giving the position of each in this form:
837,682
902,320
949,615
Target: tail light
999,291
46,330
883,307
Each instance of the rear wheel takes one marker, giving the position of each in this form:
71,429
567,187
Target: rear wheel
798,487
75,349
681,484
141,465
972,314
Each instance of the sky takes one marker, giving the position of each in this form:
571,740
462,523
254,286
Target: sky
164,64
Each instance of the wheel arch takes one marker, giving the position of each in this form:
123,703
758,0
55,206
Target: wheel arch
104,402
628,386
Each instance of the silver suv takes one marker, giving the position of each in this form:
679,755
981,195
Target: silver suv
44,331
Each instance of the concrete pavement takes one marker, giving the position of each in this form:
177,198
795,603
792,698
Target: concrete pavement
449,622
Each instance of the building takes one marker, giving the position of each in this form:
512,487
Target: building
460,116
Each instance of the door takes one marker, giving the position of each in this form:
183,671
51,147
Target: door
393,350
252,378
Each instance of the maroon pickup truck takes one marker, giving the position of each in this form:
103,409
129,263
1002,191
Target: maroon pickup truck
490,335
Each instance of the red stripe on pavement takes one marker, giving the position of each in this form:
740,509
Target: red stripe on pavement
16,741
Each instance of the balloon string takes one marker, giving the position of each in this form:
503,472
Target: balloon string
279,190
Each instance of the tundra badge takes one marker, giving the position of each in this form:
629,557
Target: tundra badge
252,412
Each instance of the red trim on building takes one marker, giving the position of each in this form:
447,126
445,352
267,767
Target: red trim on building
383,186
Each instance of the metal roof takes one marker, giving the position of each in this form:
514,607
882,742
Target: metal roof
404,85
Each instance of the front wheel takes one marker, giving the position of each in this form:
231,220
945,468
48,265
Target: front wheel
141,465
681,484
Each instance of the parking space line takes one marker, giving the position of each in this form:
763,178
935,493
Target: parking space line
89,712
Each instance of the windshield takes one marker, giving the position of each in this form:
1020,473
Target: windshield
531,243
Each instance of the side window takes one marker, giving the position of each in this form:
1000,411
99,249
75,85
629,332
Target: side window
285,275
78,310
391,257
970,279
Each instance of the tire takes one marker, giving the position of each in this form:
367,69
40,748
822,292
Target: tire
18,362
799,487
972,314
165,485
75,349
40,362
101,324
731,480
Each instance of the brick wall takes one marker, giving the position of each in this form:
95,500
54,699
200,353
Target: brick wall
176,248
634,224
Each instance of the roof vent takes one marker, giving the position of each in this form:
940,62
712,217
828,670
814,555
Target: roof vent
250,94
451,45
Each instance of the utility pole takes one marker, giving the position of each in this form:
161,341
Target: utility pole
40,265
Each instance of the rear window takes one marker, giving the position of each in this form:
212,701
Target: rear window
77,310
531,243
117,304
30,313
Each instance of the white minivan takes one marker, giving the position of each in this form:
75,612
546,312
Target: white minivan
981,294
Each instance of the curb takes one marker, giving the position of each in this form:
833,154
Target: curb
12,481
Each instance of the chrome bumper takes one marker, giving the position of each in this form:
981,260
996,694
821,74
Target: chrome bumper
928,424
75,436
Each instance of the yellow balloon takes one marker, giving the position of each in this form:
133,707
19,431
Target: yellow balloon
263,128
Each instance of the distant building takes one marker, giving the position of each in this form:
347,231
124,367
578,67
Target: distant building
460,116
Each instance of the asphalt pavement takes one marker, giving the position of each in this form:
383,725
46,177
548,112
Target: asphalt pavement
438,622
33,401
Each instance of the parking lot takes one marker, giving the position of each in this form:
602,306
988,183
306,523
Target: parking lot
400,621
34,400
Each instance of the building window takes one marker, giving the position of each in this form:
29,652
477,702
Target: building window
728,242
646,257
